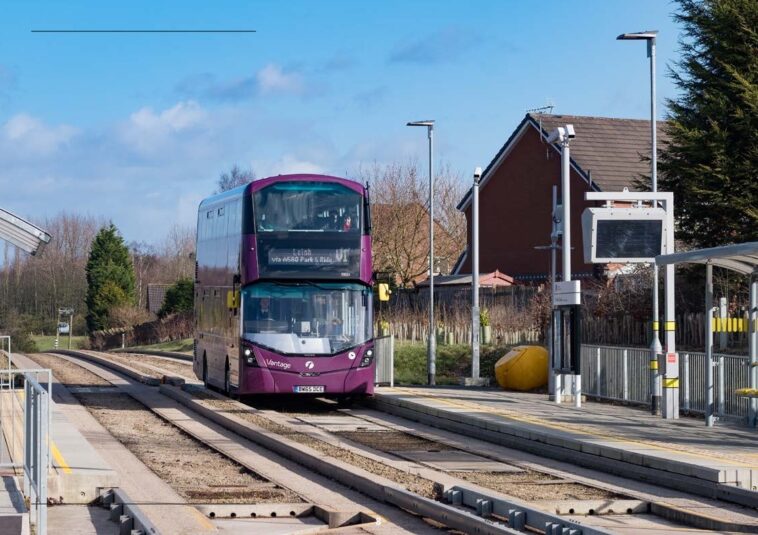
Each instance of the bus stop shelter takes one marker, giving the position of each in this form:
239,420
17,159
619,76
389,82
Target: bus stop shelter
741,258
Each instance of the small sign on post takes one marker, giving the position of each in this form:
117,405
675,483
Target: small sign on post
568,293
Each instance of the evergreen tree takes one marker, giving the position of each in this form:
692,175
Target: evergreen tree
110,277
711,160
179,298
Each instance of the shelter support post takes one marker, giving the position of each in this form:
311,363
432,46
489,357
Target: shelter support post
709,397
753,349
670,408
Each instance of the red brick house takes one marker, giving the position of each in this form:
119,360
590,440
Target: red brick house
515,193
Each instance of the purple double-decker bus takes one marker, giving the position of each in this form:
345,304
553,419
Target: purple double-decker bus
283,288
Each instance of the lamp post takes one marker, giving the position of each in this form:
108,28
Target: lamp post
475,321
567,294
655,345
431,350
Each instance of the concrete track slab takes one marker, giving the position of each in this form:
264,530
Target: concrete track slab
456,461
669,502
340,423
157,500
270,526
312,487
683,447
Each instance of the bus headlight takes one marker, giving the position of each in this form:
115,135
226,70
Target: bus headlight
368,356
249,357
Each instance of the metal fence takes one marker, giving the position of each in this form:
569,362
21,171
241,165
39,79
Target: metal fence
623,374
29,449
384,347
36,449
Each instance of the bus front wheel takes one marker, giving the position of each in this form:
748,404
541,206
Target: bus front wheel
227,379
205,371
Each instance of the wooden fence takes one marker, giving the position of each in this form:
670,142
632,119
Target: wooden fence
614,330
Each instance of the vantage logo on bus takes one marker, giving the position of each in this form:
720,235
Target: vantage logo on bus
308,257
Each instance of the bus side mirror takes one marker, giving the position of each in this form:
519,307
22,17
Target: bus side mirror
232,299
384,291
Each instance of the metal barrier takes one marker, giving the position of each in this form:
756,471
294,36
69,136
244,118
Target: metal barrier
384,349
622,374
33,446
36,449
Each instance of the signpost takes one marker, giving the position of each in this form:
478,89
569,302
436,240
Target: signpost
63,312
639,227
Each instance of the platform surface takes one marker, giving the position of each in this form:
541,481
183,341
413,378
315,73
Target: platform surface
725,453
78,471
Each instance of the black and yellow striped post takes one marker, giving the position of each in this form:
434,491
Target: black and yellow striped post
655,375
670,398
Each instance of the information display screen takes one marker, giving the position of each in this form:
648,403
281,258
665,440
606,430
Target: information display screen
307,256
320,255
628,238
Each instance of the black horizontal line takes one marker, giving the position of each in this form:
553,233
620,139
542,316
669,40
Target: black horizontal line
143,31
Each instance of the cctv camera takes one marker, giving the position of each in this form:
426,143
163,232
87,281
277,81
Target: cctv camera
478,172
556,135
570,131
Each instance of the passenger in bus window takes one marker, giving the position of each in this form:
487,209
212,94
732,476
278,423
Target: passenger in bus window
347,224
264,225
334,327
264,309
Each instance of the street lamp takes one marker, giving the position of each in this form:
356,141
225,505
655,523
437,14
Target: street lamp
431,351
475,320
655,346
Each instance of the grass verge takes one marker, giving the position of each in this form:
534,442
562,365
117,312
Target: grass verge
180,346
46,343
453,362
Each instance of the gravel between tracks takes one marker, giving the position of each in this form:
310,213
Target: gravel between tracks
535,486
150,372
527,485
196,472
412,482
67,372
390,441
172,366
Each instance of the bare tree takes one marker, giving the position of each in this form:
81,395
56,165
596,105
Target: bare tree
178,253
235,177
400,220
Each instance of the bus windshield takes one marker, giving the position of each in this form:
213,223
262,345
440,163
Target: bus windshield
307,207
306,318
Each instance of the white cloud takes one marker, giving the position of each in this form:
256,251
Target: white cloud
149,132
25,134
273,79
289,164
179,117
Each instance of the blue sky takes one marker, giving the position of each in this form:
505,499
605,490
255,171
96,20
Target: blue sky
136,127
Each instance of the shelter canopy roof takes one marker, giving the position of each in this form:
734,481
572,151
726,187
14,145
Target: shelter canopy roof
496,278
741,257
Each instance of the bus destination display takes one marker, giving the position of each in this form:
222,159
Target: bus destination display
307,256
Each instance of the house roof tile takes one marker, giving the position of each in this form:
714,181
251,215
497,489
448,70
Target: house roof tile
612,149
608,149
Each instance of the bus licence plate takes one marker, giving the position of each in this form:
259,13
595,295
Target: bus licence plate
309,389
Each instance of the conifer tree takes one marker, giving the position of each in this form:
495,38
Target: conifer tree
711,160
180,297
110,277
